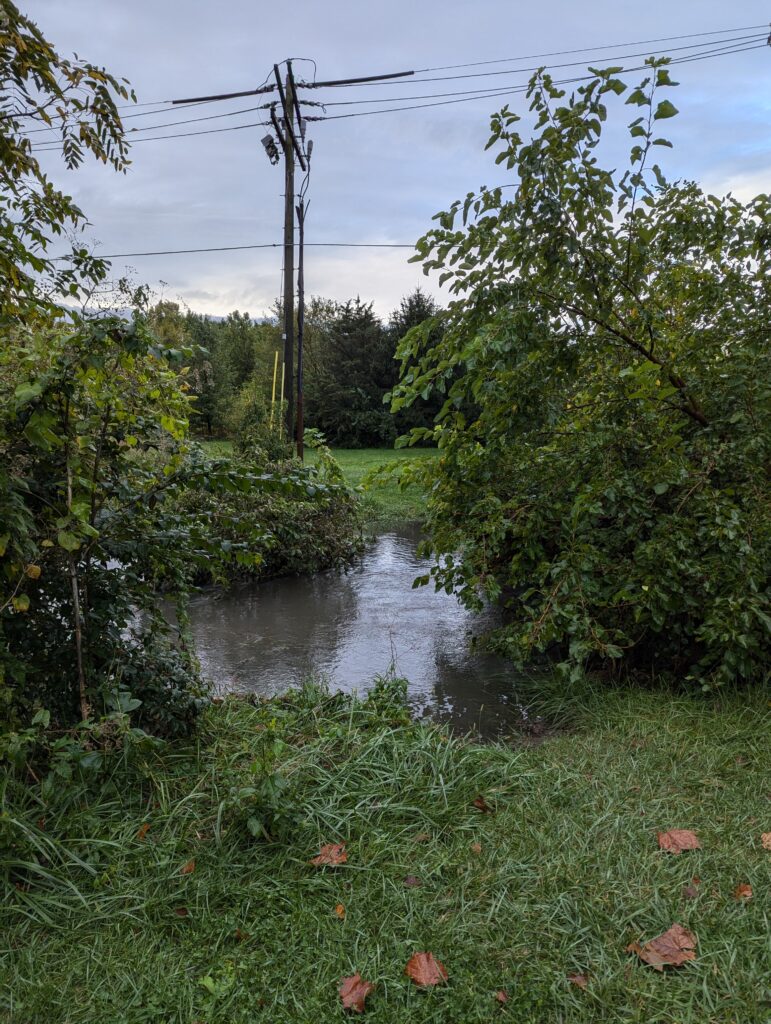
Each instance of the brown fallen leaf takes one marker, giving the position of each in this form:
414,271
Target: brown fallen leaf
331,855
181,911
411,881
142,831
765,840
340,911
353,991
579,980
690,892
482,805
502,995
673,948
188,868
476,848
743,892
422,837
425,970
677,840
240,936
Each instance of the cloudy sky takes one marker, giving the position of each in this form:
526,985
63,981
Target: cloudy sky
381,177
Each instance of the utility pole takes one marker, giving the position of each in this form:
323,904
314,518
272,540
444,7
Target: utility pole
292,144
288,138
300,325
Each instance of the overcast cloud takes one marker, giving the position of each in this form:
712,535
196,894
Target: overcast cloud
375,179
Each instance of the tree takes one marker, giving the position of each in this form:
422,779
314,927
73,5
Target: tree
416,310
605,436
350,369
78,102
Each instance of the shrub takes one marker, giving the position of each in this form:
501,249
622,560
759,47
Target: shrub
605,436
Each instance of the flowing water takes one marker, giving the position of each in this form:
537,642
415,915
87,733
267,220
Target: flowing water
350,627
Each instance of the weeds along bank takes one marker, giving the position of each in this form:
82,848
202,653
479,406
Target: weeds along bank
175,882
104,503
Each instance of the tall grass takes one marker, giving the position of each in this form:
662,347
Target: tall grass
100,924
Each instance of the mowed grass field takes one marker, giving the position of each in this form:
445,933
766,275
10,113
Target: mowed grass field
155,903
384,500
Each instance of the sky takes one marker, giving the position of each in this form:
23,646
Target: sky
375,178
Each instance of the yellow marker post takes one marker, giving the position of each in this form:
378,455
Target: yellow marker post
283,371
273,395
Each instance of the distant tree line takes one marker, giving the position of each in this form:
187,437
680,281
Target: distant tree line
350,366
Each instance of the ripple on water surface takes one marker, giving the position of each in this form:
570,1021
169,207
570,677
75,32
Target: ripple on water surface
350,627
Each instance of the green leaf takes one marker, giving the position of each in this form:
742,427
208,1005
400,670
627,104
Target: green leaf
664,110
68,541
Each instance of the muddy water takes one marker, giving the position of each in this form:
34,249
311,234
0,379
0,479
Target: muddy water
349,628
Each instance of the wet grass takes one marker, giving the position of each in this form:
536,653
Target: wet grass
559,879
384,501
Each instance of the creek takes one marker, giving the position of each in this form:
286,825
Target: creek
351,627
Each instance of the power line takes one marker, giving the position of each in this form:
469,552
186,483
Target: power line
466,92
512,90
259,245
590,49
465,96
729,41
728,34
488,90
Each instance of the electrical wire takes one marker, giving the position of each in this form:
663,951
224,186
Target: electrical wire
465,96
729,41
590,49
513,90
234,113
260,245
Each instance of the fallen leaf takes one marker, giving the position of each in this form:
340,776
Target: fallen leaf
677,840
340,911
579,980
482,805
674,947
181,911
411,881
765,840
502,996
743,892
240,936
187,869
353,991
422,837
696,880
425,970
331,855
690,892
143,830
476,847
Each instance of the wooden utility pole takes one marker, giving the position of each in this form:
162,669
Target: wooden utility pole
288,138
287,102
300,326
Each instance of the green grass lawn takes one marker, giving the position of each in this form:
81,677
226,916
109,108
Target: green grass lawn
559,879
384,501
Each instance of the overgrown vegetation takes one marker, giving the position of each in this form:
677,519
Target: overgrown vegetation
349,368
103,502
151,892
605,435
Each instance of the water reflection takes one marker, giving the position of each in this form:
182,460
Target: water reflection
268,636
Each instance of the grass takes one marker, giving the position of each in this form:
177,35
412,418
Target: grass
385,502
566,873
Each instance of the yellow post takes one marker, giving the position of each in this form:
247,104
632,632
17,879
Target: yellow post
273,395
283,371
